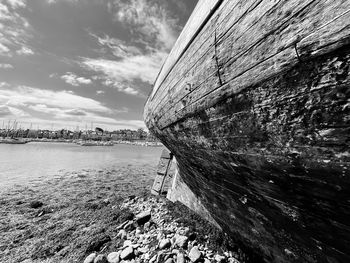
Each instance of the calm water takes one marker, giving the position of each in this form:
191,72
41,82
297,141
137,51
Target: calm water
20,164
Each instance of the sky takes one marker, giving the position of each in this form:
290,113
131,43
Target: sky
70,63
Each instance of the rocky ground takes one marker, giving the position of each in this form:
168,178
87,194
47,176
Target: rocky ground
159,234
105,216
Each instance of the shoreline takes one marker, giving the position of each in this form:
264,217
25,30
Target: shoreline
60,219
138,143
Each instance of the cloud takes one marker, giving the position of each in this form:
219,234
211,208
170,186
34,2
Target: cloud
128,64
5,66
142,67
56,1
4,50
76,112
148,18
25,51
61,108
15,30
23,96
4,111
153,30
17,3
99,92
74,80
117,47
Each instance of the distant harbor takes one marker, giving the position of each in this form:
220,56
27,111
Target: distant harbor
11,134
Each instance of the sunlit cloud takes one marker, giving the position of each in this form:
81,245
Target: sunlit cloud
25,51
17,3
148,18
140,67
5,66
4,50
28,104
15,30
75,80
24,96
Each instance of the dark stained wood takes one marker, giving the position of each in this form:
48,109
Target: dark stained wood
257,113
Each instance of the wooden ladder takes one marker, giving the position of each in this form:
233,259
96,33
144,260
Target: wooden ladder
162,172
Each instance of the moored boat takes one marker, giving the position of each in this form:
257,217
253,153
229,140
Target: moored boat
254,103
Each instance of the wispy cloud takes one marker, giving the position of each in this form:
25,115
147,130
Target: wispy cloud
4,50
154,31
142,67
5,66
23,96
25,51
148,18
15,30
28,104
17,3
75,80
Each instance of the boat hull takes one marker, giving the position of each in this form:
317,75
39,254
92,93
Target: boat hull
268,154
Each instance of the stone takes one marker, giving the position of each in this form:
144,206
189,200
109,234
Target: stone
175,251
129,226
98,243
232,260
122,234
147,225
35,204
160,257
153,259
194,254
219,258
127,253
138,231
184,231
181,241
143,217
100,259
90,258
180,258
122,225
144,249
164,243
113,257
127,243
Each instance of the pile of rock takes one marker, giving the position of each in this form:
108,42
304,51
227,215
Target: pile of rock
150,237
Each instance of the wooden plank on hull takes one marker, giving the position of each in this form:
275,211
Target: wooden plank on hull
237,24
268,45
201,13
200,50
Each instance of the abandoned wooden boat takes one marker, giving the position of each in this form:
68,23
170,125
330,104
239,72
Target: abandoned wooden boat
254,103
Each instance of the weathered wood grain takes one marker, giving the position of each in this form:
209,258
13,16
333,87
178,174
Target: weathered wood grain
199,16
272,43
256,112
199,48
273,161
229,22
334,34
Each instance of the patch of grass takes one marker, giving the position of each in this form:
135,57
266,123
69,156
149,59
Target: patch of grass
79,215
